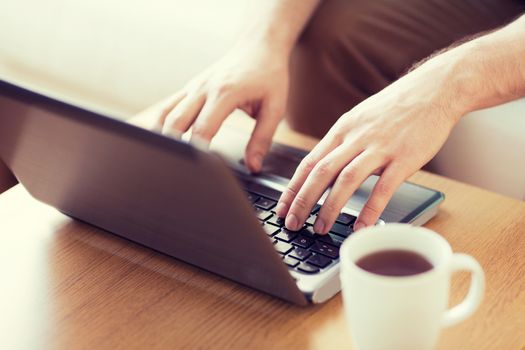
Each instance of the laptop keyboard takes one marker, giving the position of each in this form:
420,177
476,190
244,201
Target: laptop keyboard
302,250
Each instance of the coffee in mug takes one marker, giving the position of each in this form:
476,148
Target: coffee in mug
395,282
394,262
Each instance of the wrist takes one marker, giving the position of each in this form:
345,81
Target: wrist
466,82
446,83
462,81
490,69
277,24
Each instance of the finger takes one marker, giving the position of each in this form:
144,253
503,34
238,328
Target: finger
326,145
166,106
347,182
316,183
392,177
210,118
267,121
182,116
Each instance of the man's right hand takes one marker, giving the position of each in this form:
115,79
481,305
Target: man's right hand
252,78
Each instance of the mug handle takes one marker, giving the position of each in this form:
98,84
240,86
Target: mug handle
458,313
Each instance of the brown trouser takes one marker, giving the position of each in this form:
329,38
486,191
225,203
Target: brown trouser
6,178
352,49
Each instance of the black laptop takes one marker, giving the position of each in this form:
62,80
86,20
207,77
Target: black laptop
196,206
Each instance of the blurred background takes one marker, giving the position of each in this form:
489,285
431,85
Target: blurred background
120,56
117,55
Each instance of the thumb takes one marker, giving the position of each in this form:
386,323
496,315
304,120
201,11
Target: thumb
267,121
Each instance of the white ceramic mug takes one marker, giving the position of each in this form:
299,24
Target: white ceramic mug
408,312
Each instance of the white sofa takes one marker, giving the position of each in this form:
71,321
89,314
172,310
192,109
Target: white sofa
119,56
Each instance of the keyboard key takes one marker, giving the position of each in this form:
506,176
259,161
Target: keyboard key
261,214
265,203
286,235
252,197
307,231
282,247
311,219
330,239
270,229
315,209
345,219
319,260
303,241
275,220
341,230
325,249
299,253
307,268
290,261
261,190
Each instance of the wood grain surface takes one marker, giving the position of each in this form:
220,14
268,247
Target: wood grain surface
67,285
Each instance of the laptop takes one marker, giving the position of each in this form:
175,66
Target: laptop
197,206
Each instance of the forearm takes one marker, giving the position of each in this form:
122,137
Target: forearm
491,68
278,23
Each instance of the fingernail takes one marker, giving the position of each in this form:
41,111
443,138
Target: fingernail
291,222
280,210
319,225
359,225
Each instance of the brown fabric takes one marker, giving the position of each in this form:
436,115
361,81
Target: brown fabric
352,49
6,178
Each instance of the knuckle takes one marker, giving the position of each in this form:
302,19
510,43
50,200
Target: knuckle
348,175
307,164
383,189
401,164
201,131
288,195
225,90
290,192
301,202
383,153
339,134
329,209
371,210
403,151
323,168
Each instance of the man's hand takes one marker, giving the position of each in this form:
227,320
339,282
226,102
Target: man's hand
392,134
254,79
398,130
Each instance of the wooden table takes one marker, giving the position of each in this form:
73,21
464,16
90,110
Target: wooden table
67,285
